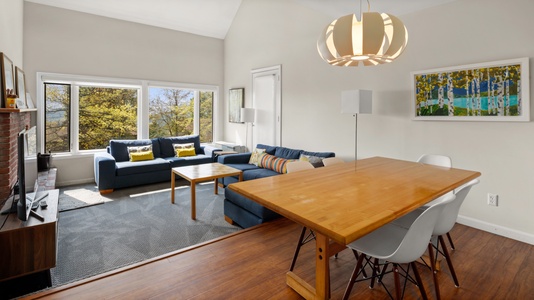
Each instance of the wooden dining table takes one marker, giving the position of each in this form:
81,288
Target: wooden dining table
344,202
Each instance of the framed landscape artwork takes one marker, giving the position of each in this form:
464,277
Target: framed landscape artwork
493,91
235,103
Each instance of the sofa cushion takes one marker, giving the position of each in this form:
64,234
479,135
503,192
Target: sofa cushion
268,149
243,167
319,154
287,153
166,143
119,148
258,173
139,167
189,160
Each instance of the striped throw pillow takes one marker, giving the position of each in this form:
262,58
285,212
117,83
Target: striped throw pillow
274,163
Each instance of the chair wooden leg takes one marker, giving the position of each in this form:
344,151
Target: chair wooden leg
353,277
449,261
419,281
450,241
433,268
297,250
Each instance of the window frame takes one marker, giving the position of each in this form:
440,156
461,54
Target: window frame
143,87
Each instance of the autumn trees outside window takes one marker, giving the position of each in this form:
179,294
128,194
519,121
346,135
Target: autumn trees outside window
82,115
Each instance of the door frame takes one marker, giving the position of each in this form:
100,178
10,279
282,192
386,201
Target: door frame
277,72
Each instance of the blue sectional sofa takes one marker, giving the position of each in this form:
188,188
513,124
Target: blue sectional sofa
113,168
242,211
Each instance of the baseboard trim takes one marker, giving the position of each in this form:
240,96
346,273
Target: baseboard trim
74,182
496,229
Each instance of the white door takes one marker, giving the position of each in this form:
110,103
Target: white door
267,101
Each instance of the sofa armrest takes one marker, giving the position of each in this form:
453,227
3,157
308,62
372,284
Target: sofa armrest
239,158
104,168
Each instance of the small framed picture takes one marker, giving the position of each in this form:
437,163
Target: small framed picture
20,88
235,103
7,79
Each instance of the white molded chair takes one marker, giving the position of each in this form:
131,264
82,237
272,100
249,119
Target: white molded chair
445,223
298,165
329,161
435,159
442,161
398,245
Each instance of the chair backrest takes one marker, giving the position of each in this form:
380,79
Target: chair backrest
332,161
300,165
415,241
450,212
435,159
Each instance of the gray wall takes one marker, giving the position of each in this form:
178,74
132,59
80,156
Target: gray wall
266,33
11,20
63,41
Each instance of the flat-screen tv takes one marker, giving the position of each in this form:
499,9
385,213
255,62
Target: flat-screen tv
26,146
24,204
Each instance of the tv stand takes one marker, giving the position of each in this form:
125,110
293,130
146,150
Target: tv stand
30,246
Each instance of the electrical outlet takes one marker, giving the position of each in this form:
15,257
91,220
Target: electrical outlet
493,199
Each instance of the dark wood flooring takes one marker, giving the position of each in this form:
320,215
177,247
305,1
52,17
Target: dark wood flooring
251,264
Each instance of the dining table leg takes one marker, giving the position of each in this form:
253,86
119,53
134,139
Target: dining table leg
322,267
322,273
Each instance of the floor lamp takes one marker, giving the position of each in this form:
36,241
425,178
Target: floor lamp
356,102
247,116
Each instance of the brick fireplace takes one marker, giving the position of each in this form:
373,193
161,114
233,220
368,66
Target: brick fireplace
11,123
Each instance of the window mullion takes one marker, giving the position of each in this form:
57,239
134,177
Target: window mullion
75,119
196,112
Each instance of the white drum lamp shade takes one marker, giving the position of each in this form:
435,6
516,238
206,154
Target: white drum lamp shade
247,115
376,39
357,102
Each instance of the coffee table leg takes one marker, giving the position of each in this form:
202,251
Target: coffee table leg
172,186
193,201
216,186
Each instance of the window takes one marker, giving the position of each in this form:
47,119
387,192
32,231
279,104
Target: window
103,113
84,113
57,115
172,113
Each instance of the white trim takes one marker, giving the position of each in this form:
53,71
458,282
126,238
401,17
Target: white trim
496,229
142,86
277,72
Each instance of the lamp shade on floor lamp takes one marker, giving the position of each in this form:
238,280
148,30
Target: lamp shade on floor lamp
356,102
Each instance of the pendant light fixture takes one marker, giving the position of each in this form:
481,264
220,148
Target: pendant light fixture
373,39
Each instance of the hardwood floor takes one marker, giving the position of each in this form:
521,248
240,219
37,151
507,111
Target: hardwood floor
251,264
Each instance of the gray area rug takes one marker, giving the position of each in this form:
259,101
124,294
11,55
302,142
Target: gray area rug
133,225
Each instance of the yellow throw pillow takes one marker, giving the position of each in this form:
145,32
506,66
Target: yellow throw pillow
255,156
140,156
140,149
185,152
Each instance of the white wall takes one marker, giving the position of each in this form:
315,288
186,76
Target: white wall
11,21
273,32
63,41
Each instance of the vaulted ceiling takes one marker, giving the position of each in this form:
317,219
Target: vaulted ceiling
213,18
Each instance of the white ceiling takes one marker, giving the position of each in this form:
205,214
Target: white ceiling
213,18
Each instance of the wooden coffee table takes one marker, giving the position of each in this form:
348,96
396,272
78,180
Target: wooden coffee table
201,173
